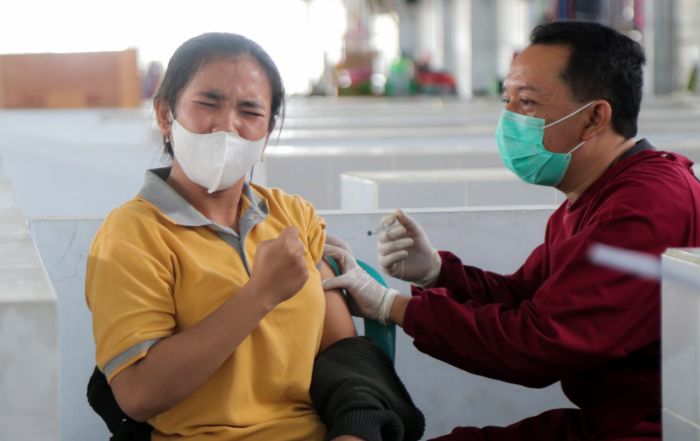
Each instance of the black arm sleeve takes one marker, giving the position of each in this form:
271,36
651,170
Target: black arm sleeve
356,391
102,401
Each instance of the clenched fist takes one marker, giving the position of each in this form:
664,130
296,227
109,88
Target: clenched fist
279,270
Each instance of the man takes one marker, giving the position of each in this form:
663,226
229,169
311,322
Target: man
571,104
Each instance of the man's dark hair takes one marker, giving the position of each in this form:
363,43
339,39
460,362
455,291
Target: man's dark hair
198,51
603,64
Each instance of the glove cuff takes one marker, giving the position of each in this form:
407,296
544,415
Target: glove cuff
434,272
385,305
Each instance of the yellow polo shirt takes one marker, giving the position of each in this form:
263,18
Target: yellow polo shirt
157,266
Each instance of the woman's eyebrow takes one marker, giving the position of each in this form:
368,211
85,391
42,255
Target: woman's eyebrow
251,104
213,95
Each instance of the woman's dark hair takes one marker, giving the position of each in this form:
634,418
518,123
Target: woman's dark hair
603,64
197,51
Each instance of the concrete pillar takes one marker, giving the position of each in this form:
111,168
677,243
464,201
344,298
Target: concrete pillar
688,29
442,30
458,44
676,39
648,38
430,31
408,28
512,32
484,46
665,55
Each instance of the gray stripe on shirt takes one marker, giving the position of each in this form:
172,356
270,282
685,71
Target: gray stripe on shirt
128,354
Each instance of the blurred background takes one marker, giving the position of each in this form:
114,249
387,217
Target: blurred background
322,47
391,103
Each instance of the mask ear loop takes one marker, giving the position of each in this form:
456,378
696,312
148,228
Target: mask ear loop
569,115
577,147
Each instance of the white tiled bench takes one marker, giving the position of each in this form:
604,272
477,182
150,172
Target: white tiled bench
447,396
680,309
29,357
368,190
314,172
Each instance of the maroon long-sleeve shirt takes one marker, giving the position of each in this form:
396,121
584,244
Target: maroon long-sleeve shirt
562,318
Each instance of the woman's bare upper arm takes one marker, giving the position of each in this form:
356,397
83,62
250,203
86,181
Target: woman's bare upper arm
338,323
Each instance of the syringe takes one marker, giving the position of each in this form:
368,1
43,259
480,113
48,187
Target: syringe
377,230
369,233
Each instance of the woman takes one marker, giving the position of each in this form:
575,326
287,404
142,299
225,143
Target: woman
205,290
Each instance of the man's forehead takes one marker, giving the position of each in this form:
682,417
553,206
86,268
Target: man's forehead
518,84
538,67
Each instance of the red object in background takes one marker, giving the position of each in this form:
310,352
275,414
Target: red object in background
438,83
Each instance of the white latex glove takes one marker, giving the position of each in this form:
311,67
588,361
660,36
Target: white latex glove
338,242
404,251
372,299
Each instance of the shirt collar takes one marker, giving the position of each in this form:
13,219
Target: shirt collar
642,149
157,191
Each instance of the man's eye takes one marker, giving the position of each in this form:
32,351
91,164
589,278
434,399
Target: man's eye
505,100
526,102
205,103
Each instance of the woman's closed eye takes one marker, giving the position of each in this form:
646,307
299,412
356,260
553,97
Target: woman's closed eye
253,113
207,103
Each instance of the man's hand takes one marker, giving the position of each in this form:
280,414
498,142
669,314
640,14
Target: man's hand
372,299
405,252
338,242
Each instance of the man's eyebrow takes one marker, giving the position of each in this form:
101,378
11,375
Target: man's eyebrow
527,87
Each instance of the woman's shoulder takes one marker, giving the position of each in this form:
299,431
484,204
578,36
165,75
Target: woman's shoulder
135,215
278,198
293,209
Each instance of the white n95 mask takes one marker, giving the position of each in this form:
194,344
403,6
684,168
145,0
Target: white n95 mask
216,160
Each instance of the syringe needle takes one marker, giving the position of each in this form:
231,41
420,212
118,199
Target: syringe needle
375,231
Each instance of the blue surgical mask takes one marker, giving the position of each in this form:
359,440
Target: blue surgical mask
520,143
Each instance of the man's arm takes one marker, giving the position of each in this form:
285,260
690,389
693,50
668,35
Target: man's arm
465,283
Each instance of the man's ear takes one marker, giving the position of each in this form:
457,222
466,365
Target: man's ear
599,120
163,116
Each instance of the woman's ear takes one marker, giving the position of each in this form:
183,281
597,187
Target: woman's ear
599,119
163,116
